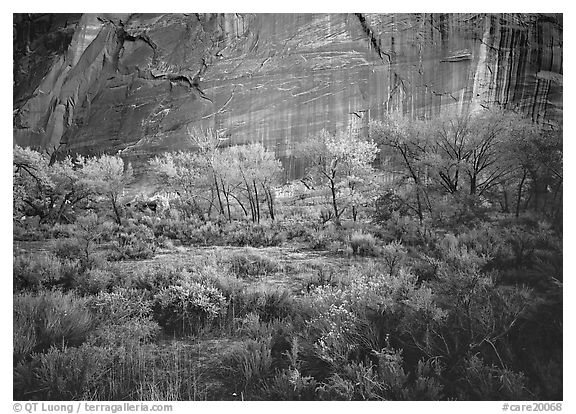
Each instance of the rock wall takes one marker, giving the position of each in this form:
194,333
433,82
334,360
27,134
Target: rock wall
136,83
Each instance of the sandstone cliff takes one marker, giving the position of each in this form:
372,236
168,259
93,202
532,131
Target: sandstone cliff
135,83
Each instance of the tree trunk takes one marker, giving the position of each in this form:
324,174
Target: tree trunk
116,210
473,180
257,201
218,194
505,206
240,204
270,199
227,197
519,198
61,210
334,203
419,204
251,201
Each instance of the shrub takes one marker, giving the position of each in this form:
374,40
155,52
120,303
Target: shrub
268,303
207,234
363,244
322,239
133,241
252,363
149,276
34,271
62,374
81,251
124,317
387,204
49,318
129,333
144,372
188,308
405,229
252,264
93,281
253,234
385,379
291,385
488,382
68,249
394,256
121,305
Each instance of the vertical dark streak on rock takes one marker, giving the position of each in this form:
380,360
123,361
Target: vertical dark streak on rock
510,66
371,37
534,103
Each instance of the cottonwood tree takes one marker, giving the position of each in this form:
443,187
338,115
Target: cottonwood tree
208,144
258,168
405,139
536,154
243,175
337,163
226,169
32,185
466,151
473,155
108,176
188,175
45,189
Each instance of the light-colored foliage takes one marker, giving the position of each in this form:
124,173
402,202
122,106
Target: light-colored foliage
341,164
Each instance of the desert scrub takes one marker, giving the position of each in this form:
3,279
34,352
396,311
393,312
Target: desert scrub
49,318
394,256
124,318
384,379
93,281
252,364
268,303
249,263
490,382
103,373
35,271
363,244
252,234
149,276
121,304
132,241
187,308
322,239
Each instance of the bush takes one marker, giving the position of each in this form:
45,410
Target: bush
62,374
69,249
145,372
394,256
253,234
124,318
42,270
49,318
149,276
93,281
188,308
384,380
322,239
483,382
387,204
129,333
121,305
252,363
267,303
363,244
251,264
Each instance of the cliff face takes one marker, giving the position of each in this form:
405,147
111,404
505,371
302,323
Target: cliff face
136,83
